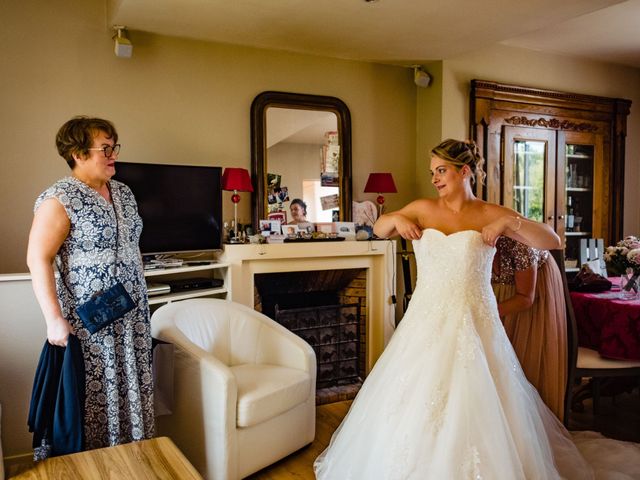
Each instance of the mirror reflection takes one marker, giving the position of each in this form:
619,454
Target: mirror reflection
302,163
301,158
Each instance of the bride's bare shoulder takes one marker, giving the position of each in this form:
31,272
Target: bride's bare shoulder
421,205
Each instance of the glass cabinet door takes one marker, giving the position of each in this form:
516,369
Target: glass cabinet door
528,184
558,186
580,156
528,178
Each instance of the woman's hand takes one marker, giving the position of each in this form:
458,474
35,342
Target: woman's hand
58,331
491,232
406,228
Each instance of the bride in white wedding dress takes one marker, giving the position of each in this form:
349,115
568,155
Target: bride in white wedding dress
448,399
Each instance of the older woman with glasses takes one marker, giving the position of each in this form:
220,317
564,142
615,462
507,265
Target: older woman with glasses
88,224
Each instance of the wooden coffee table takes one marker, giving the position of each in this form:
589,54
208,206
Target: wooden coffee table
157,458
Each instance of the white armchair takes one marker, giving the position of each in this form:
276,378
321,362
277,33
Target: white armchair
244,387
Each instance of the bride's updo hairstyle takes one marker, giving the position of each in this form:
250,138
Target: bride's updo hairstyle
460,154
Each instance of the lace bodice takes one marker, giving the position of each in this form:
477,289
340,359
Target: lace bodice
455,262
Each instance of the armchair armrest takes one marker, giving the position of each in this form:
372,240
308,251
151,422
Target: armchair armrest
279,346
205,398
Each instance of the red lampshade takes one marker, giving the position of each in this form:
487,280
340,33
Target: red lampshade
380,183
237,179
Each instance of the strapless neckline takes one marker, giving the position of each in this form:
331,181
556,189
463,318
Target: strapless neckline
450,234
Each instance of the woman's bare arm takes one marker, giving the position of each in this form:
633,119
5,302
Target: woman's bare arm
404,222
525,282
49,229
509,223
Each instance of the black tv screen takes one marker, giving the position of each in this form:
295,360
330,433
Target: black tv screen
180,205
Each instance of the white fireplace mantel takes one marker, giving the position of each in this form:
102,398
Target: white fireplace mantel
377,257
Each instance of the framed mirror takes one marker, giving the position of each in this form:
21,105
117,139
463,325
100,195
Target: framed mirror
300,149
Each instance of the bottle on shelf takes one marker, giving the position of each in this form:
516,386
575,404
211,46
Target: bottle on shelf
570,219
577,218
572,176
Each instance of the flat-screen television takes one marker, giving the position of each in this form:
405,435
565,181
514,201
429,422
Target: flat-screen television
180,205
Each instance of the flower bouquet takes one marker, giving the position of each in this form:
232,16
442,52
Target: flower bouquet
623,259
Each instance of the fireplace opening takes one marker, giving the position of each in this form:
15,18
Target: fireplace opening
333,333
326,308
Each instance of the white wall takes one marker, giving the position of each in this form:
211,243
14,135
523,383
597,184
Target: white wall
22,334
174,101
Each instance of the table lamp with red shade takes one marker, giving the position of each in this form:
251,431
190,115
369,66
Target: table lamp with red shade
380,183
236,180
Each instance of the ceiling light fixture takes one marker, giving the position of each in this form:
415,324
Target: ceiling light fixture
123,46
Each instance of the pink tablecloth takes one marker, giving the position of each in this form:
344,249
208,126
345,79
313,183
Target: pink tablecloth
608,324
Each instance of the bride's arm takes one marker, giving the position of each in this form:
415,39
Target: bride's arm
404,222
511,224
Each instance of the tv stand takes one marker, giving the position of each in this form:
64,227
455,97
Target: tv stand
210,268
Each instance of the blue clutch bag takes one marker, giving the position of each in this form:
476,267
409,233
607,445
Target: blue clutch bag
105,307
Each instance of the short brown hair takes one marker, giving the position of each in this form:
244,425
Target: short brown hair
75,137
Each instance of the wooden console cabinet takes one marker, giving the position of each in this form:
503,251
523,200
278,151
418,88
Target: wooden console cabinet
554,157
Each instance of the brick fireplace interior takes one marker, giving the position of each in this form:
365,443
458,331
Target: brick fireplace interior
327,308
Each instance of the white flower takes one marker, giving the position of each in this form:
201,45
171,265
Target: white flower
634,256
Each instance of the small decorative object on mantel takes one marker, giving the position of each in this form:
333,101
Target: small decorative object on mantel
346,230
623,259
364,215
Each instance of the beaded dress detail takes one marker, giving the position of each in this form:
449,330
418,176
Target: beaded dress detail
447,399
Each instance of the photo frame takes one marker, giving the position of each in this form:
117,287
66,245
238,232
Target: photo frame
325,227
280,215
346,230
283,194
267,227
329,202
289,230
273,181
329,179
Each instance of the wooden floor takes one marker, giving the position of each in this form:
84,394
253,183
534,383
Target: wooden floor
299,465
619,418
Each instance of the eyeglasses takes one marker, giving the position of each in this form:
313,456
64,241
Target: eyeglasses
108,150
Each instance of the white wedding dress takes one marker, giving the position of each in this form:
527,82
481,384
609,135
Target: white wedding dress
447,399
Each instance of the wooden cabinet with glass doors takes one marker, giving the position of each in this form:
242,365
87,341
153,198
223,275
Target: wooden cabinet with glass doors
553,157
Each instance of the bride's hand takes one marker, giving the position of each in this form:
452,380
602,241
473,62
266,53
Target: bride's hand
492,231
406,228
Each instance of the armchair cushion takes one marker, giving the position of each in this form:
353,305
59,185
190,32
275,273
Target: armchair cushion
266,391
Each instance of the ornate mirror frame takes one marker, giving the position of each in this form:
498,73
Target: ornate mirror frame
259,172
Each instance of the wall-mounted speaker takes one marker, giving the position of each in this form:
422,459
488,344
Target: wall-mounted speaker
123,47
420,77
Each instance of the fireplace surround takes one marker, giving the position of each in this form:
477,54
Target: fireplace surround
376,258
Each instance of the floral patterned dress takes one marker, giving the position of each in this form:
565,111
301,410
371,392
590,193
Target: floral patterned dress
119,385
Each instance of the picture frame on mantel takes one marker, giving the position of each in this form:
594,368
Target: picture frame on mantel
281,216
290,230
326,227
